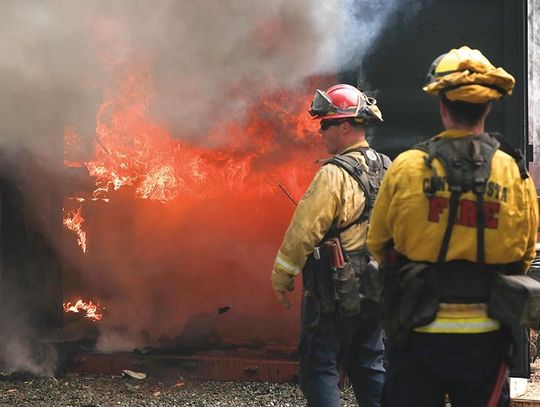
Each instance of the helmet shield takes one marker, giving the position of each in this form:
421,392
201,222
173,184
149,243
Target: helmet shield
321,105
431,75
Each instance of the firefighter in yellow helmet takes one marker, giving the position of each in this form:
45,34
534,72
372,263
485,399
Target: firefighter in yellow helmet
326,242
452,214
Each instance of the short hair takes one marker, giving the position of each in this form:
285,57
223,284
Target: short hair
465,113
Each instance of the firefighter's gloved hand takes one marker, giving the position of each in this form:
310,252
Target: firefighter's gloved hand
282,283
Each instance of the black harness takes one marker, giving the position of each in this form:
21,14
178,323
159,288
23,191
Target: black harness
368,180
467,163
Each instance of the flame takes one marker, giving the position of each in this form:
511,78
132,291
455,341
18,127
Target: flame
131,149
89,307
73,221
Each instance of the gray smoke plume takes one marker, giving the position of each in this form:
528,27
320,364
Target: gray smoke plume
534,87
21,353
208,59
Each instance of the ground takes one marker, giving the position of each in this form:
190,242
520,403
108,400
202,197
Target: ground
75,390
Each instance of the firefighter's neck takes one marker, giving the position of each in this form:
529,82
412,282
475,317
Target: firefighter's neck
478,128
450,124
350,135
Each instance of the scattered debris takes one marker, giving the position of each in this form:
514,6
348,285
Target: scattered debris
223,310
134,375
144,350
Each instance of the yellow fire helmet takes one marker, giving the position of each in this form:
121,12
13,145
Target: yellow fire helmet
466,75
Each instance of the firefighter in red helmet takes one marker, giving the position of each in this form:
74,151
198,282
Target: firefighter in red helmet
326,242
454,216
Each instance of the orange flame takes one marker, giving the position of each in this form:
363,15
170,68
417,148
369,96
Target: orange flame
133,150
89,307
73,221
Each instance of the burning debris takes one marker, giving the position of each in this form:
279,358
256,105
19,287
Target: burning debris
89,309
73,221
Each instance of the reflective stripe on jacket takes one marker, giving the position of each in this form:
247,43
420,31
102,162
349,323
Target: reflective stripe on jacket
461,318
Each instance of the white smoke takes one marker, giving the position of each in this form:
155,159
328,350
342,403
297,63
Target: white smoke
534,87
22,354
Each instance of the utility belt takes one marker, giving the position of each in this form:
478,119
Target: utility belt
412,293
340,281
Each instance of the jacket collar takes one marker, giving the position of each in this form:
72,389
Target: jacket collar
360,144
453,133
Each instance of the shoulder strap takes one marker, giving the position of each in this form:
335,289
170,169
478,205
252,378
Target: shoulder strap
504,146
515,153
357,172
377,163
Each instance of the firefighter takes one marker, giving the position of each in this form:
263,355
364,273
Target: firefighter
340,326
452,214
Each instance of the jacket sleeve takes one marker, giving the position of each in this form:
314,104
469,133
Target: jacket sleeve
530,252
379,227
311,220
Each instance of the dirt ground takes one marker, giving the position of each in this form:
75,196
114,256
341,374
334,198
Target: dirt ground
75,390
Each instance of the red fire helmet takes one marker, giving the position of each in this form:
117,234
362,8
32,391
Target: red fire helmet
342,101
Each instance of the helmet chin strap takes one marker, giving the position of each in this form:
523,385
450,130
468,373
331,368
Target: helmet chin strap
357,106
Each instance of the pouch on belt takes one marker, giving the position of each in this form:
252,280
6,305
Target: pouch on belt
515,300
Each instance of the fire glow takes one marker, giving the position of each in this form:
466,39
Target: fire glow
89,307
157,183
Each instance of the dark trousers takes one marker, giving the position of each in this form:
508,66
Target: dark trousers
328,343
430,365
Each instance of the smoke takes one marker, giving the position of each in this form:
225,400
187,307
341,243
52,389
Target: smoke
534,87
212,60
21,354
21,349
209,59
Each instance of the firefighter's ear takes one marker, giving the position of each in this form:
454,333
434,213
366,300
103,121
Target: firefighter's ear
443,109
345,127
488,110
445,115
